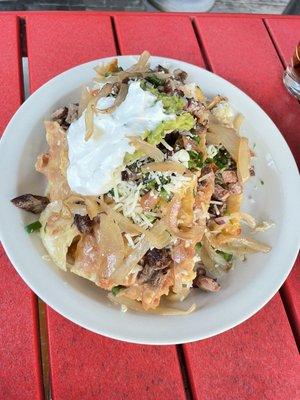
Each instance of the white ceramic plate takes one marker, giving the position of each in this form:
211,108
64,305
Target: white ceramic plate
244,290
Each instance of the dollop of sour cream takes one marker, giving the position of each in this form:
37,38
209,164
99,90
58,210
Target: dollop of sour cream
95,165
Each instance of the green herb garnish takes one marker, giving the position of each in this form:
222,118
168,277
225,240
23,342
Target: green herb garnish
222,159
116,289
35,226
262,182
227,256
150,184
198,247
164,194
196,138
196,159
154,80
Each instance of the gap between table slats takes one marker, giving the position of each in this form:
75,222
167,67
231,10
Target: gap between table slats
257,359
20,374
285,36
84,364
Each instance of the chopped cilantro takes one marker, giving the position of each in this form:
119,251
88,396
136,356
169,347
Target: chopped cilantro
35,226
227,256
196,159
116,289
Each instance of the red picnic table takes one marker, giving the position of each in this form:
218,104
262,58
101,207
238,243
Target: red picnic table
256,360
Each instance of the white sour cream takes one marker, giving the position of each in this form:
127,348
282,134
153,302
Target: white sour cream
94,165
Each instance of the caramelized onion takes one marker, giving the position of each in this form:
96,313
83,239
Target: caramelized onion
112,244
138,252
233,203
237,122
131,260
142,64
84,100
87,203
147,148
219,134
194,233
159,239
95,95
110,67
124,223
209,264
243,161
247,245
119,100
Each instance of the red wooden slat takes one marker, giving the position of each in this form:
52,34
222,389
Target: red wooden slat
286,34
253,68
19,349
85,365
162,35
95,367
258,359
66,40
10,76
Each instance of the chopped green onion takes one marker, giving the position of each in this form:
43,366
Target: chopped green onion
154,80
198,247
196,159
222,159
150,218
227,256
262,182
196,138
35,226
116,289
150,184
164,194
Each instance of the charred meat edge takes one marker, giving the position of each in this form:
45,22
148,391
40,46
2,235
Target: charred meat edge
30,202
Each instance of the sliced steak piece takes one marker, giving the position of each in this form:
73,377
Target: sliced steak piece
155,263
235,188
195,108
83,223
66,115
220,193
180,75
229,177
30,202
206,284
